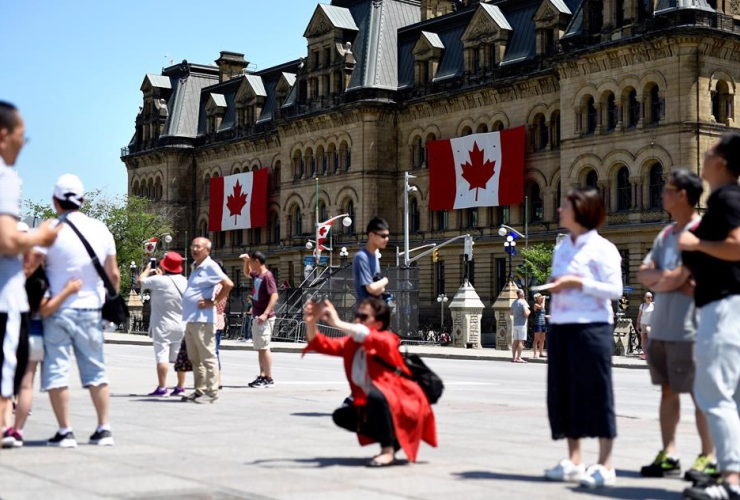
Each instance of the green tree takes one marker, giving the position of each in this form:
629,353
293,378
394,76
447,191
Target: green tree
130,219
537,263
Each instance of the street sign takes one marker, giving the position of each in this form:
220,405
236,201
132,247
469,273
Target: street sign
310,260
627,289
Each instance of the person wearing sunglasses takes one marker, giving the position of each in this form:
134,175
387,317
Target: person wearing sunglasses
369,282
387,408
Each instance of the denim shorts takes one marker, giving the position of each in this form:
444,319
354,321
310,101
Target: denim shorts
69,329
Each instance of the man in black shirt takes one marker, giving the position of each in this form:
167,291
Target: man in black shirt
712,253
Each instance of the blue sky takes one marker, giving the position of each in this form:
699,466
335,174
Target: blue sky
74,69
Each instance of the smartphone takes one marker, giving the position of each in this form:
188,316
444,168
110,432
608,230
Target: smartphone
153,262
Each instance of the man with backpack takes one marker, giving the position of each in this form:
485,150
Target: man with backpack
77,325
166,285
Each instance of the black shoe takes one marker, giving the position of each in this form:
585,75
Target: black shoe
701,479
191,397
63,440
268,382
102,438
258,382
716,491
662,466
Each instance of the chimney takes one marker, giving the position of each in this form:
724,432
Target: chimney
435,8
230,65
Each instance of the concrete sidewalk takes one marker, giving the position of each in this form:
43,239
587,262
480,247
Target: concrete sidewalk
424,351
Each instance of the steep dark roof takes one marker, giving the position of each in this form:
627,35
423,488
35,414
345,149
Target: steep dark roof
670,5
184,102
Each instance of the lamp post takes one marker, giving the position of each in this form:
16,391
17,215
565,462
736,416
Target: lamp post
343,255
167,238
510,248
442,299
133,267
406,190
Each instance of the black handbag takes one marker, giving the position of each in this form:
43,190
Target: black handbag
429,381
114,308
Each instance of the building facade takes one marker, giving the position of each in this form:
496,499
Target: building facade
614,94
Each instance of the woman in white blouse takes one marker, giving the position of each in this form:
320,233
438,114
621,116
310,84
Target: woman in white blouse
586,277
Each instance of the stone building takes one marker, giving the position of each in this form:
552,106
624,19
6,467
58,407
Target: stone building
614,94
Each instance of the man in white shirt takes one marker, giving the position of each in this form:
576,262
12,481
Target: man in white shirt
199,313
167,286
77,325
13,244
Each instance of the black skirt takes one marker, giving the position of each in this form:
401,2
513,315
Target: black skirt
580,395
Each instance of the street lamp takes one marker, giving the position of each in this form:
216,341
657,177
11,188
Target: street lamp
406,190
442,299
343,255
510,248
132,267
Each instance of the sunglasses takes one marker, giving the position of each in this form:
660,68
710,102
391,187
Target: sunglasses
385,236
361,316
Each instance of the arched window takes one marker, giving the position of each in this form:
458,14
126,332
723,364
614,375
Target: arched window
498,126
275,225
297,165
536,205
466,131
238,239
323,214
722,102
206,187
624,190
430,137
555,132
322,160
414,217
297,222
333,158
482,129
592,179
203,229
611,113
591,117
541,133
417,153
310,162
135,188
345,156
656,105
256,236
656,186
350,211
633,109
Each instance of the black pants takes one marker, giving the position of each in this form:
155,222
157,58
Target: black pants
12,370
372,420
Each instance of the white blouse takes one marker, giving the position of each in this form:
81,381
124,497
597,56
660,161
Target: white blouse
597,262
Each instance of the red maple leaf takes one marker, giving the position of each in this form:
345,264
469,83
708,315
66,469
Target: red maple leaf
236,202
476,172
323,230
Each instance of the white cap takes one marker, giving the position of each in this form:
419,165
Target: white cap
69,188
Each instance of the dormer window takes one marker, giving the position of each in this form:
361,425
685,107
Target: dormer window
551,21
153,116
485,39
250,99
215,111
284,86
428,53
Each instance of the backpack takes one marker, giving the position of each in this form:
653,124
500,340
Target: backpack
429,381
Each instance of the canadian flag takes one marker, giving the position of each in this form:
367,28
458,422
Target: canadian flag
322,234
481,170
238,201
150,246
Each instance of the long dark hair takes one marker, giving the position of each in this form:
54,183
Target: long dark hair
381,311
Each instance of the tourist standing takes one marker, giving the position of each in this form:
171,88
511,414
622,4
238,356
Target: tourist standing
519,312
670,348
265,298
366,266
199,313
77,325
586,277
712,253
644,319
540,325
13,244
166,285
247,318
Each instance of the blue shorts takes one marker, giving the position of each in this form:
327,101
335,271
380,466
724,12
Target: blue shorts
69,329
540,328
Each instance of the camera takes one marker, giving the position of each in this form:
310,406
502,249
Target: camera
153,262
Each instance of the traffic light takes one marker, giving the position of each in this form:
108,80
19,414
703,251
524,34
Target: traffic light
435,255
469,247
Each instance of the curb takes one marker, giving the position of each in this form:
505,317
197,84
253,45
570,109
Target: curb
277,347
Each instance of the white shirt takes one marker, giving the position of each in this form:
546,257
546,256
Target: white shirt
166,319
201,286
647,313
12,280
360,375
67,259
598,263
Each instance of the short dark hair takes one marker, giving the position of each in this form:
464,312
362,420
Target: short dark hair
377,224
260,257
381,311
588,207
67,205
687,181
8,116
729,149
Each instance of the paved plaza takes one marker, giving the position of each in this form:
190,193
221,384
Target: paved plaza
280,443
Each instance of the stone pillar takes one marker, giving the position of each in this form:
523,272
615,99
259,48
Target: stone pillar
504,322
467,311
135,310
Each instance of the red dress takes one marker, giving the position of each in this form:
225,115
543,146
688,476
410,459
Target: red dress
413,419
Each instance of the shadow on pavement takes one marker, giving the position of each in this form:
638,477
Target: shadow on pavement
316,463
310,414
493,476
628,493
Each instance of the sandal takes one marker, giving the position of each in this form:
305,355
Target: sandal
372,463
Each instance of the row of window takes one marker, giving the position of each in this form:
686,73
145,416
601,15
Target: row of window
327,161
627,112
150,189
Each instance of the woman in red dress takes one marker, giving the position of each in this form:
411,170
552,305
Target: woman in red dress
388,409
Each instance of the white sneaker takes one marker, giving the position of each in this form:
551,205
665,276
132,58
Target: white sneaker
565,471
598,476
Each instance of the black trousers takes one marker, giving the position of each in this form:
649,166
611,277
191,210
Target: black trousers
14,338
372,420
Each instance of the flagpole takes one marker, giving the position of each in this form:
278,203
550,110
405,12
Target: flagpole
317,255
